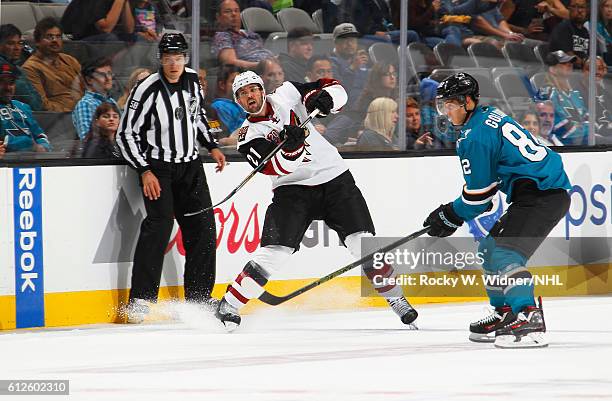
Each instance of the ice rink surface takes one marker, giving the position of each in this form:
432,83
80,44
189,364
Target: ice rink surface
306,356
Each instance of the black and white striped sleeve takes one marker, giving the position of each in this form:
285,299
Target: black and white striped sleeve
204,136
131,137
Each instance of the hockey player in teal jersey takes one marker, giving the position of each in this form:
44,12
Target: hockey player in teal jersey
19,131
497,154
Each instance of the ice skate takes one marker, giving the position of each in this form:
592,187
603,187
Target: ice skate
136,311
211,305
483,330
404,310
228,315
527,330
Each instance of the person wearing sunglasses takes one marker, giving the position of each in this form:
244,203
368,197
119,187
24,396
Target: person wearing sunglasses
498,154
98,76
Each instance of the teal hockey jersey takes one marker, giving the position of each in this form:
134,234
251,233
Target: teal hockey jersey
18,128
495,151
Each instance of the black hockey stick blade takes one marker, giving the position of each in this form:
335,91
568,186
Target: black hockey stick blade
274,300
257,169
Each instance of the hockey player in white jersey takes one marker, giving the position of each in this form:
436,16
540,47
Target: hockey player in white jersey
310,181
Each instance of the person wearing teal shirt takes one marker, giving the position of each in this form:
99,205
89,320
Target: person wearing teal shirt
19,131
497,154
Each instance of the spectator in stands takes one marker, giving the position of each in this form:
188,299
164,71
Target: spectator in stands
299,51
98,77
604,29
216,128
136,76
99,143
319,67
19,131
11,51
100,20
147,20
546,121
416,136
229,112
560,65
271,72
493,25
553,12
382,82
235,46
570,35
373,19
424,18
571,114
529,120
456,14
349,63
379,124
523,17
56,76
603,100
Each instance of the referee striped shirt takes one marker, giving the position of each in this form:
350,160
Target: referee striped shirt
164,121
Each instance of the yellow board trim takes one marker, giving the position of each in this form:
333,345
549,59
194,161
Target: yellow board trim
102,306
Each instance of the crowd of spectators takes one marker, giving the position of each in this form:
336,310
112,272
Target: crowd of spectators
39,76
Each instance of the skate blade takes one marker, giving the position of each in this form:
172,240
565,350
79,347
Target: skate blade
230,326
531,340
482,338
412,326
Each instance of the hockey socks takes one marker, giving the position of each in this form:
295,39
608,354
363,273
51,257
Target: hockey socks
248,285
381,279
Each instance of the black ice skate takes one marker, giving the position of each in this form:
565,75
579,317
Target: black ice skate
228,315
211,305
404,310
526,331
483,331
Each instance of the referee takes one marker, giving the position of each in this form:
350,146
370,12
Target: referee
158,135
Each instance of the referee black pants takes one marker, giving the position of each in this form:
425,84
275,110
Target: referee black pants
184,193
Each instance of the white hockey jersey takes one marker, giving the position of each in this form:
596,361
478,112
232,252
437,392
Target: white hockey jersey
315,163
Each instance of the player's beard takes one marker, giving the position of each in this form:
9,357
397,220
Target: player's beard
254,106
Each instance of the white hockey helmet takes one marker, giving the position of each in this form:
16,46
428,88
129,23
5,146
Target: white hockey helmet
246,78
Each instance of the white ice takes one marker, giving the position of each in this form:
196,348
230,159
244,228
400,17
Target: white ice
296,355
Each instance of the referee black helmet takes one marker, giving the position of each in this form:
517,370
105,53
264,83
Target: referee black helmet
173,43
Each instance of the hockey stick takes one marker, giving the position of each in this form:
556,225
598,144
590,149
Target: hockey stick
271,299
257,169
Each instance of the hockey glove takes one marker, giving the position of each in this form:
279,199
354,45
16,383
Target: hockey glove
295,137
320,100
443,221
